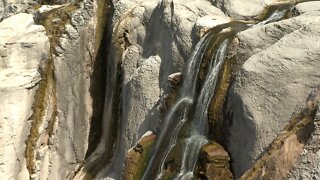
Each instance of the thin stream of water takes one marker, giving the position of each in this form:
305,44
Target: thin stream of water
199,131
186,100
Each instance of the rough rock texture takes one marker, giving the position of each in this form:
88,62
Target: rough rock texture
153,40
245,8
281,68
73,53
308,7
309,165
214,163
12,7
136,159
50,137
283,153
24,49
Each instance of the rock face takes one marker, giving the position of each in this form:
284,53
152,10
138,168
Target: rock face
24,49
73,55
281,67
283,153
49,90
78,91
152,40
308,167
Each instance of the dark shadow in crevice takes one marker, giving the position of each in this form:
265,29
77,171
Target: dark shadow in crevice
98,82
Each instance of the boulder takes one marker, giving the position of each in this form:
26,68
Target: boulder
137,157
175,79
246,8
280,69
213,163
283,153
308,7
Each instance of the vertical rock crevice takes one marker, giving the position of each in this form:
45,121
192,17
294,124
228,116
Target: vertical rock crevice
45,104
98,76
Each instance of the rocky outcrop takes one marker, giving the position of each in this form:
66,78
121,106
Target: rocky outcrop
73,33
24,50
79,91
54,90
308,7
254,9
137,157
308,166
213,163
12,7
281,62
283,153
152,40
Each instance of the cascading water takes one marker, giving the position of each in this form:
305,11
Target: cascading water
199,130
179,113
183,104
198,136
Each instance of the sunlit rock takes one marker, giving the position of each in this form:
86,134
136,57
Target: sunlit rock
24,49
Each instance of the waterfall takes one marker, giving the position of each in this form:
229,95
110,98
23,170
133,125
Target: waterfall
178,114
184,103
197,103
199,131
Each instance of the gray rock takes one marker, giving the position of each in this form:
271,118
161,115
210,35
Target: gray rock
73,58
280,71
153,40
245,8
19,78
308,168
308,7
11,7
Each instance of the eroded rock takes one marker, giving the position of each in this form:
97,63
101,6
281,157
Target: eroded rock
283,153
137,157
24,50
279,72
214,163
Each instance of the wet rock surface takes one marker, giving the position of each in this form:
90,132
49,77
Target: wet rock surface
214,163
137,157
79,90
